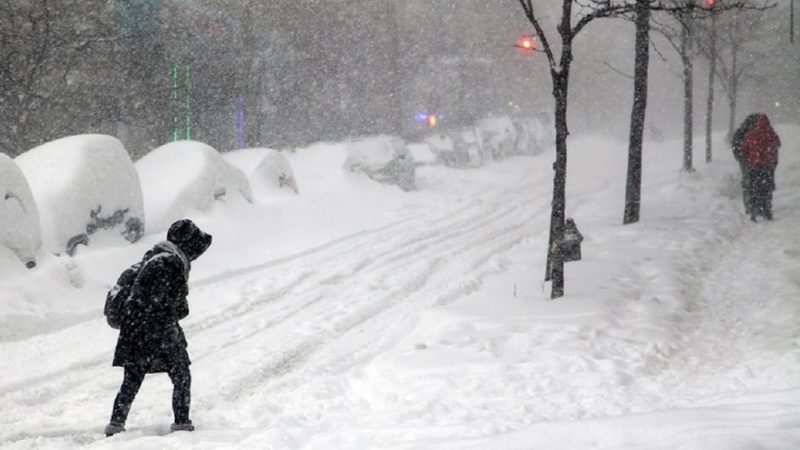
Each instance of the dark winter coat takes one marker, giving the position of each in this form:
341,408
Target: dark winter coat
760,145
150,335
738,138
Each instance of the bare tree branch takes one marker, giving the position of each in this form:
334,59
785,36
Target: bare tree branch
527,6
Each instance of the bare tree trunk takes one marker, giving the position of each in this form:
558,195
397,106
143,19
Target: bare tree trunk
686,57
732,114
633,187
555,263
710,101
560,79
248,86
733,92
732,103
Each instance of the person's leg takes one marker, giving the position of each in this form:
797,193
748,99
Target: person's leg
756,193
181,393
751,194
131,383
770,188
745,188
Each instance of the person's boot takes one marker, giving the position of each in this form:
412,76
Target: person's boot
183,426
114,428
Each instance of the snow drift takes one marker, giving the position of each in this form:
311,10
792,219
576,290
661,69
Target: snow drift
83,184
186,175
19,217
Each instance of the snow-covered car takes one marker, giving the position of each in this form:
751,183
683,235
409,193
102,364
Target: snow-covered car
422,153
468,143
266,168
534,134
457,148
183,176
19,216
385,159
498,137
83,184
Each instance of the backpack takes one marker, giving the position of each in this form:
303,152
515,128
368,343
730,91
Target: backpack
119,294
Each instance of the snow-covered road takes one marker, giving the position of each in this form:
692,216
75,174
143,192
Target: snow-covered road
431,328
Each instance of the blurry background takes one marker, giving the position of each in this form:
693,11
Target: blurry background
285,73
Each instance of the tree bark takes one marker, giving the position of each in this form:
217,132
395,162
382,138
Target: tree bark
557,215
633,185
560,78
732,100
686,57
710,101
733,91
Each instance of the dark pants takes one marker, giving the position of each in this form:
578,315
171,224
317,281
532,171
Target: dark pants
760,184
134,375
745,188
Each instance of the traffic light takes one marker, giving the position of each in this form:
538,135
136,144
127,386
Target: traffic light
711,3
528,42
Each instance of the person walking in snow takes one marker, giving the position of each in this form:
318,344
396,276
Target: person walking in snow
150,338
755,146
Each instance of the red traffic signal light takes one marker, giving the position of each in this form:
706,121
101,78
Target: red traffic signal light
527,43
711,3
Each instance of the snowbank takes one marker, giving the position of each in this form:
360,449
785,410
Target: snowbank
83,184
266,169
385,159
186,175
19,217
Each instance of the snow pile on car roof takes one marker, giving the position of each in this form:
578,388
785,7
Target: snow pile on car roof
183,176
83,184
422,153
266,168
385,159
19,217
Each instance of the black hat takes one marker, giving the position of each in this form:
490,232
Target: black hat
189,238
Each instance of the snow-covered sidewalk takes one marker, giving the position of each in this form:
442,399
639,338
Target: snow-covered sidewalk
427,326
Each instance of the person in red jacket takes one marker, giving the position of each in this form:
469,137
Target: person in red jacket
758,145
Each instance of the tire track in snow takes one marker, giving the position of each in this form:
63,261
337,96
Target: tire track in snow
385,252
415,289
322,258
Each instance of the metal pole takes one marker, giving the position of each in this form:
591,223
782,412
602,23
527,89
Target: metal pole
188,112
791,22
175,105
